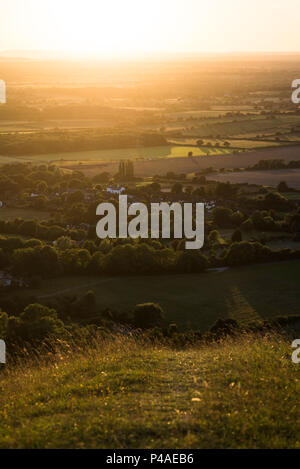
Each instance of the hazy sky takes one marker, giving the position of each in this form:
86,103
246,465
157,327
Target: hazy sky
150,26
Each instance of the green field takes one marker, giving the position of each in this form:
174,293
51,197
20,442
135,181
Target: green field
27,214
130,394
245,293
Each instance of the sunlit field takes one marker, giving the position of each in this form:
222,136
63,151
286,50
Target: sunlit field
125,153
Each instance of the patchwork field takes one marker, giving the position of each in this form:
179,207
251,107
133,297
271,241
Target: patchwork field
189,165
196,301
242,143
232,126
69,124
268,178
148,153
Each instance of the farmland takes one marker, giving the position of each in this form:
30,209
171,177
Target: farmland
240,143
137,153
232,127
146,168
120,341
190,300
268,178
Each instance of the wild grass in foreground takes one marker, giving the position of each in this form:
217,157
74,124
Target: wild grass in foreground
127,393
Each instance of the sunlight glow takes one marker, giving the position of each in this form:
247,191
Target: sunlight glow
128,27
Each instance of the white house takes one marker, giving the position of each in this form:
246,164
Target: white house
114,190
5,279
210,205
1,204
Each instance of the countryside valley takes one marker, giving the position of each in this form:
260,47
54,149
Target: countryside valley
76,134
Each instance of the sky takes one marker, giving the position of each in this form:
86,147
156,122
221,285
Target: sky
141,27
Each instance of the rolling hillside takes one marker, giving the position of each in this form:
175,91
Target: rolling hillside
125,393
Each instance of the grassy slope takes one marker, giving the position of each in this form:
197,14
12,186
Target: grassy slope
196,300
240,394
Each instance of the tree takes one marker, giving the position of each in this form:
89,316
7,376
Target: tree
177,188
215,238
282,187
191,261
39,260
4,259
225,190
55,232
63,243
28,228
38,321
223,327
76,197
148,315
247,225
237,218
155,187
236,236
75,260
276,201
294,225
3,325
129,169
240,253
76,214
42,187
247,253
222,217
132,259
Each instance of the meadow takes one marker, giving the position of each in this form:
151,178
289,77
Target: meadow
127,393
196,300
